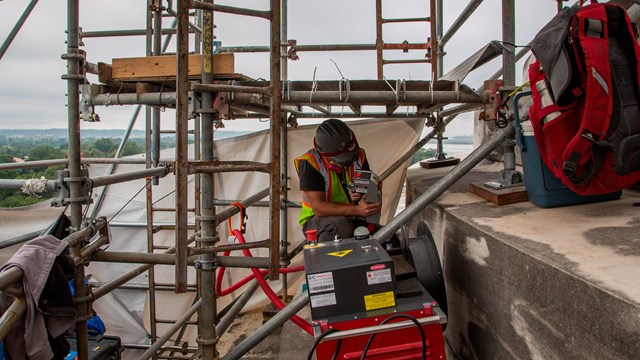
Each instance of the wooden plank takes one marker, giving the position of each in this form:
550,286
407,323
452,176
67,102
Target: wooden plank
500,197
155,67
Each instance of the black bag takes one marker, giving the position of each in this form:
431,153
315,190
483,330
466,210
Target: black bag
100,348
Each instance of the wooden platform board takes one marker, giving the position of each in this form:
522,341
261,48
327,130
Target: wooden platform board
506,196
153,68
432,164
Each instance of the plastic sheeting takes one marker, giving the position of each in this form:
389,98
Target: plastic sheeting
125,311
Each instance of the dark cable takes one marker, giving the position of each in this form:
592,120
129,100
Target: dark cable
335,354
424,340
315,343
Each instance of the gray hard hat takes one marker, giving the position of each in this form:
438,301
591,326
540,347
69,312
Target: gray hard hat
335,140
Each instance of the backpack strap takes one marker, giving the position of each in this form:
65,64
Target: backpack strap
593,40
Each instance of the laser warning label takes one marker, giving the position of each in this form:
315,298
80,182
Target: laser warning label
320,282
342,253
323,300
379,301
378,276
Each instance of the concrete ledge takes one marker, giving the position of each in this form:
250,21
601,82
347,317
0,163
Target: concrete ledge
530,283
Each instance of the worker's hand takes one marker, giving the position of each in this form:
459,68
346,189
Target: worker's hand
355,196
365,209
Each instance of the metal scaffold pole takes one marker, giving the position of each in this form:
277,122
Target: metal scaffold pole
207,337
75,179
284,154
182,151
275,140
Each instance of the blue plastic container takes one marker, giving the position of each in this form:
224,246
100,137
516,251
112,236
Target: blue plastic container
543,188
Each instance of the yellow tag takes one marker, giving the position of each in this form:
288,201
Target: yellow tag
342,253
308,246
379,301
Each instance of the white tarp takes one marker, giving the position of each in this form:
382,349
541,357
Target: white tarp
125,310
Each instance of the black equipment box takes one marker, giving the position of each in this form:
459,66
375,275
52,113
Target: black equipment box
347,277
100,348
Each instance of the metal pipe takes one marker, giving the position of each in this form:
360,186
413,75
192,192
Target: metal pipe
182,145
12,316
75,167
466,13
10,276
439,31
33,164
284,154
162,99
231,10
275,105
379,40
128,176
434,41
508,40
215,166
16,28
403,20
20,239
207,337
18,184
98,203
230,211
440,186
381,97
325,47
275,322
239,304
136,258
118,33
229,247
409,61
230,88
175,327
193,26
91,248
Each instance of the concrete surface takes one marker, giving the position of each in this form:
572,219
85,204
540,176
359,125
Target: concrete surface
530,283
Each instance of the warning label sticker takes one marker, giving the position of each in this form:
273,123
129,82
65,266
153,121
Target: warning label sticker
379,301
378,276
313,246
342,253
323,300
320,282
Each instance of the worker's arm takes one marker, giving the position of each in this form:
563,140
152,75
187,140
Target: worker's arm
316,199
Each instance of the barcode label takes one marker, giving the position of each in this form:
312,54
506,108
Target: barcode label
323,300
320,282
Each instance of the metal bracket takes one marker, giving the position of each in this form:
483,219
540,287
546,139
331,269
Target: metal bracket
87,110
494,100
292,53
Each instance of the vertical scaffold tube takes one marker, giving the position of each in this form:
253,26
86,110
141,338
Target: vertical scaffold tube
207,337
75,171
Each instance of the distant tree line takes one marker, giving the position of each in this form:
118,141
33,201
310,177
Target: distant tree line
34,149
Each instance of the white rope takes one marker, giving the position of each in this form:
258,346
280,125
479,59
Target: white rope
33,187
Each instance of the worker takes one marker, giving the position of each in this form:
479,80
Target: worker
325,171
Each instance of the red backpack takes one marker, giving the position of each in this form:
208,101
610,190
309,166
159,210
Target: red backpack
586,111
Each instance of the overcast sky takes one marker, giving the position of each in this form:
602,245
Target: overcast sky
32,94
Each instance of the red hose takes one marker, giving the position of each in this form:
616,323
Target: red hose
259,275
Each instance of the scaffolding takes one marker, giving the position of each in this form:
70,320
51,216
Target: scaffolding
203,103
